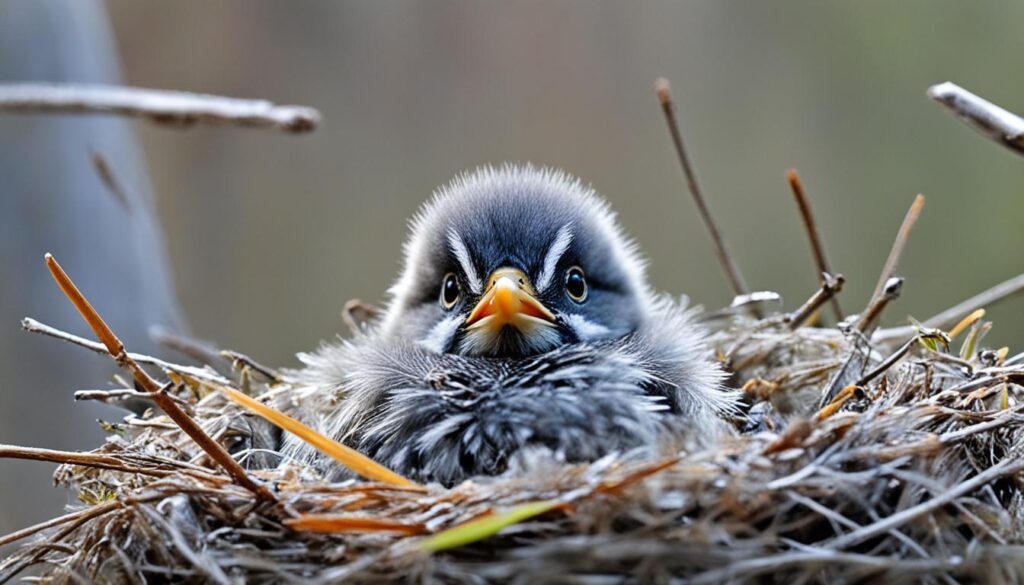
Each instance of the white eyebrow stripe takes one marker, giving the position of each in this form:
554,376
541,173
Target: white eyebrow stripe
562,240
465,260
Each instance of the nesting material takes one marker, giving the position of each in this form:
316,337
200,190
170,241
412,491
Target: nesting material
856,460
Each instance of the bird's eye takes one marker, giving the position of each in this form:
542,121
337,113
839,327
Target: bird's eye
450,290
576,284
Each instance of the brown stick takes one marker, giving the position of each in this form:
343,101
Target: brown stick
891,292
898,245
830,287
732,271
175,108
185,422
811,227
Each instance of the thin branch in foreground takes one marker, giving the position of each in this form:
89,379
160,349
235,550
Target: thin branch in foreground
830,287
999,125
986,298
183,420
173,108
732,271
889,269
811,227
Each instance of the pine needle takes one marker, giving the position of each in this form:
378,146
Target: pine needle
350,458
337,524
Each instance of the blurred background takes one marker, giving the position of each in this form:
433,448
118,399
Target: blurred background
259,238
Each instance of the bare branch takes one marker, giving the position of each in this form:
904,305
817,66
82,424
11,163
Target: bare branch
890,293
33,326
201,351
240,360
174,108
999,125
732,271
888,271
986,298
811,227
887,363
182,419
830,287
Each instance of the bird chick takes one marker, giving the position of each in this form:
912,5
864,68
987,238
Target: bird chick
521,319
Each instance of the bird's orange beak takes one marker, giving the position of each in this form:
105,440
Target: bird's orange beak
509,300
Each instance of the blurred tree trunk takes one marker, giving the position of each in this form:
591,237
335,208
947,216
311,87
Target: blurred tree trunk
53,200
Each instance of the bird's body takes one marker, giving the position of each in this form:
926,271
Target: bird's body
522,320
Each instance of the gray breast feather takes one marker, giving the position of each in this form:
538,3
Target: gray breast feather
445,417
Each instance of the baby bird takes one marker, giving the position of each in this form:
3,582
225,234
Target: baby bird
522,319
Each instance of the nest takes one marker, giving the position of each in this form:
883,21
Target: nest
862,455
857,459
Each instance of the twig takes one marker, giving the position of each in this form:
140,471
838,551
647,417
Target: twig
889,270
811,227
109,179
117,395
1008,466
830,287
732,271
887,362
890,293
33,326
239,361
989,297
175,108
999,125
183,420
72,458
203,352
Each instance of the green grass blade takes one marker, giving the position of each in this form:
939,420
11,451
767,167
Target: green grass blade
479,529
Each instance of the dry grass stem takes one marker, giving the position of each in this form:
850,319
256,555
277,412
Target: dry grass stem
811,227
725,259
893,260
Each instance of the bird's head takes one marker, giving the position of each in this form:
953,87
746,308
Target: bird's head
513,262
